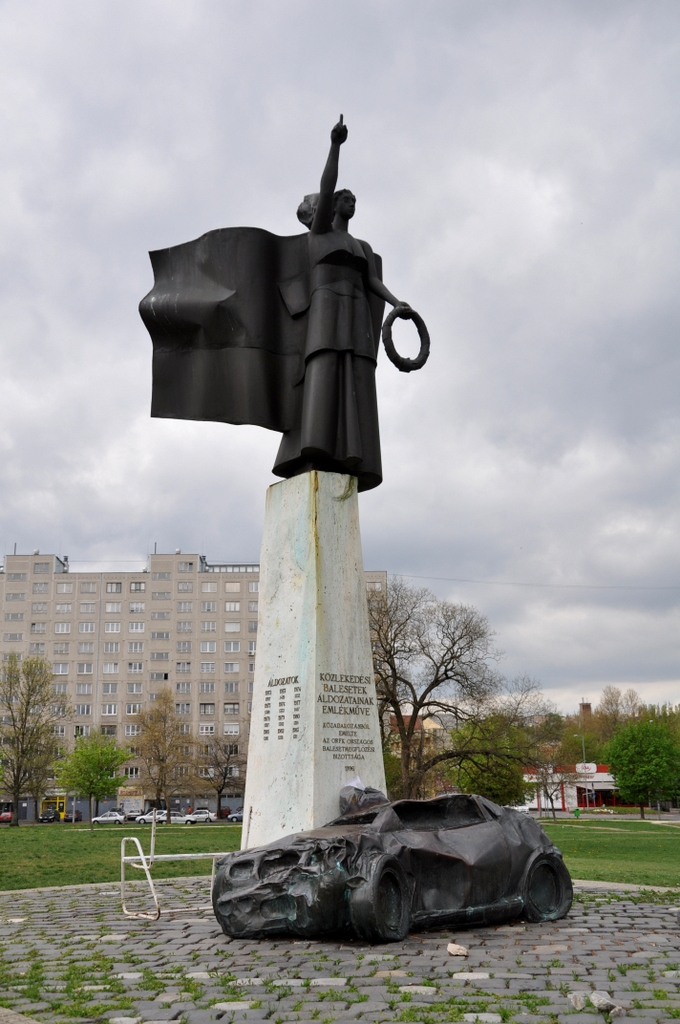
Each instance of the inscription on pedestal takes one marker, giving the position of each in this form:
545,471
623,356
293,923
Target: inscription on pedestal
351,698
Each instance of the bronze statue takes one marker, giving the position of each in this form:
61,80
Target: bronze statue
249,327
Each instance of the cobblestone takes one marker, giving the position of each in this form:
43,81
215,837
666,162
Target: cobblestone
71,956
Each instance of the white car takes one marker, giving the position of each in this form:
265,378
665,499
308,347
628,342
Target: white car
109,818
201,814
175,818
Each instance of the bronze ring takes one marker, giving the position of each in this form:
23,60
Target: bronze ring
401,363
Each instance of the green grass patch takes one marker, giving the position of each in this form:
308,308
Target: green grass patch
619,851
32,856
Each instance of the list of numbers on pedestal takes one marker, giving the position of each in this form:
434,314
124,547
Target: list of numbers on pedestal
284,710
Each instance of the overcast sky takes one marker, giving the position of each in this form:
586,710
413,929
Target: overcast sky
517,166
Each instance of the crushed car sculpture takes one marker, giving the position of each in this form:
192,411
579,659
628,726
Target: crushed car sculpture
381,872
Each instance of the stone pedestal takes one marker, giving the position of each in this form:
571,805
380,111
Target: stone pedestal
314,723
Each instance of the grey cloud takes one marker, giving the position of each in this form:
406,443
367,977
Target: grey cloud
518,168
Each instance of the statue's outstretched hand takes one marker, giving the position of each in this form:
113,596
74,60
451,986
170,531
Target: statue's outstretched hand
339,132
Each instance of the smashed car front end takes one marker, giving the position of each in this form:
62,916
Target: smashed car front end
295,887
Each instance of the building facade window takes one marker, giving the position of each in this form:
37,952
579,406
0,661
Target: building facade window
39,608
82,730
136,607
231,666
135,646
232,606
112,627
184,607
157,677
185,587
231,728
60,647
64,588
183,687
232,588
85,668
208,627
231,687
160,615
206,709
231,709
183,709
206,729
136,627
160,595
109,709
82,709
183,627
161,576
110,668
207,687
184,646
108,730
183,667
86,627
160,656
185,567
36,648
133,709
40,588
137,588
88,588
109,688
87,608
60,668
114,588
131,772
232,646
63,609
232,627
83,689
41,627
86,648
133,730
112,607
134,687
253,587
161,635
135,666
111,647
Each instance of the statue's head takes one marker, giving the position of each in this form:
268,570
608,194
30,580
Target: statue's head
307,209
344,203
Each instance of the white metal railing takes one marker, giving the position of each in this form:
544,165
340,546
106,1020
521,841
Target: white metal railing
143,863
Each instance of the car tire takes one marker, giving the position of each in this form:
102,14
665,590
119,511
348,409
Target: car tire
547,890
380,908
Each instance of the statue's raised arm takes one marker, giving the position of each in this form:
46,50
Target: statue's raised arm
323,218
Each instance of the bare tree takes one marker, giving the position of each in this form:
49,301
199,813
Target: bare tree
29,712
220,766
166,753
440,698
551,779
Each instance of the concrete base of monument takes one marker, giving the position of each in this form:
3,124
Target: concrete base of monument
314,723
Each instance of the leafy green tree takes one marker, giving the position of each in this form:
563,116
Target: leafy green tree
644,758
29,712
496,778
92,768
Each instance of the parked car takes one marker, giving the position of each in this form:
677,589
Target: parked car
131,815
5,817
236,816
49,817
200,814
378,873
78,816
109,818
175,817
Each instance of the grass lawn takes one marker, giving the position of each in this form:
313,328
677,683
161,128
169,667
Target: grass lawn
37,855
619,851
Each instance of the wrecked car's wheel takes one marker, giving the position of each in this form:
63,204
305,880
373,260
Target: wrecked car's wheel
380,908
547,890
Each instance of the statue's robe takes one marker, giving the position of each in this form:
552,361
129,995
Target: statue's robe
228,319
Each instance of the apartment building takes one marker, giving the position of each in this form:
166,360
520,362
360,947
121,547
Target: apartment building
116,638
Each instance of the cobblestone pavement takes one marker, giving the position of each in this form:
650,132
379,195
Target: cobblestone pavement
69,954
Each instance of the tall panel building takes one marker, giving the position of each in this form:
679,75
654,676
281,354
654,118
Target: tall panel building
116,638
